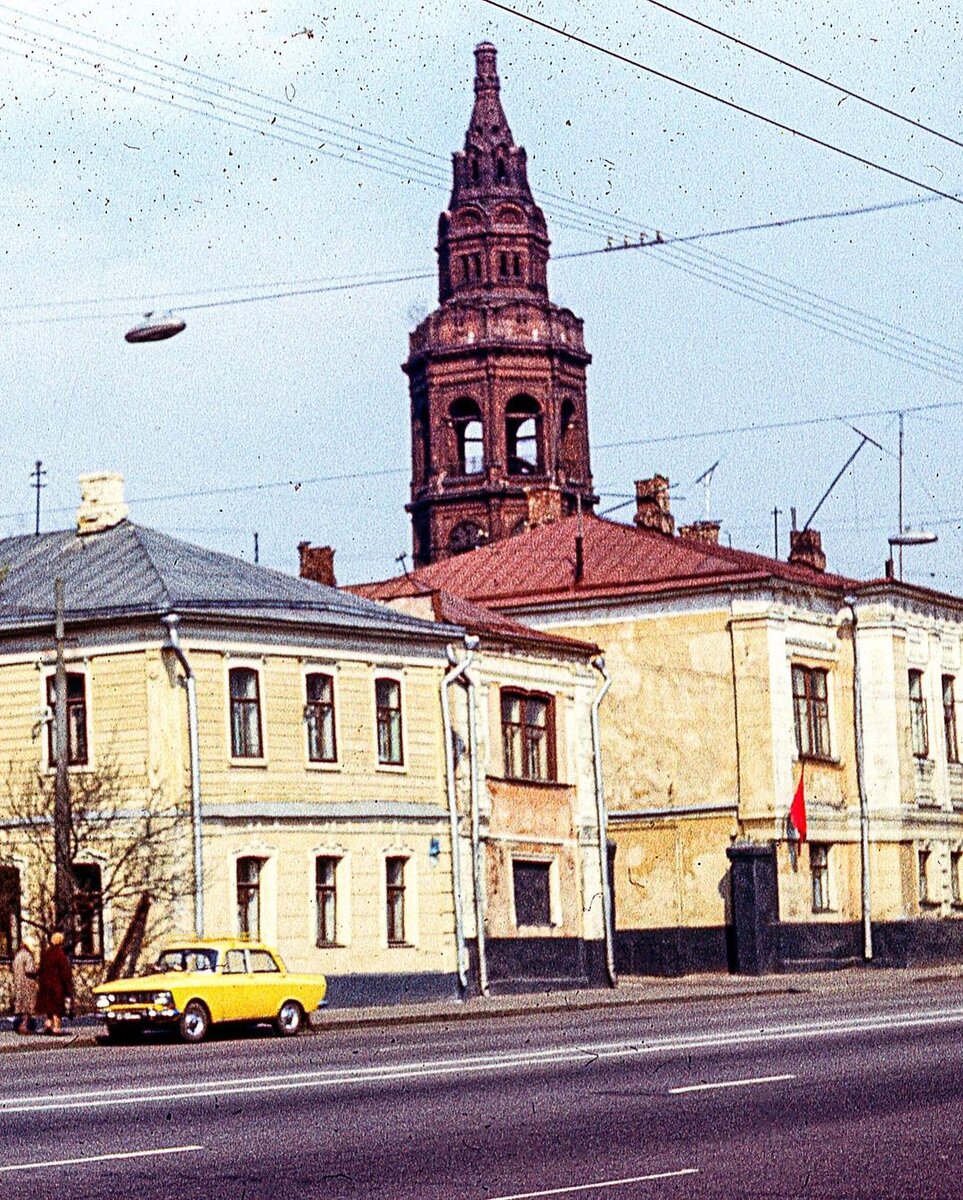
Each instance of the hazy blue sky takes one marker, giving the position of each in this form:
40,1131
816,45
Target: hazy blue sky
127,181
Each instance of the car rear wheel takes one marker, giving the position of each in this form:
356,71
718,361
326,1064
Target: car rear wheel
195,1022
290,1019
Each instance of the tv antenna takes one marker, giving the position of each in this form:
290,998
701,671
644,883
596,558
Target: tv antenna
706,480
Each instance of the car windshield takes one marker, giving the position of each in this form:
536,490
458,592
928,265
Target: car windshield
186,959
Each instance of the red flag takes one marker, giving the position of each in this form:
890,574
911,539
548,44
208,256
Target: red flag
797,810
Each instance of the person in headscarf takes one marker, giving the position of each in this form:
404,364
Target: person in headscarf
54,985
24,970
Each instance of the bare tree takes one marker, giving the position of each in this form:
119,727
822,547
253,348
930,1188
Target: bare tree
127,841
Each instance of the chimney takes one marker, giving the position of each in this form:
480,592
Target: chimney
101,502
701,531
806,549
652,505
317,563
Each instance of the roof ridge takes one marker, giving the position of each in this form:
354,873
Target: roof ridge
158,575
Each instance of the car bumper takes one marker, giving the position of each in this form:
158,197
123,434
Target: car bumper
144,1016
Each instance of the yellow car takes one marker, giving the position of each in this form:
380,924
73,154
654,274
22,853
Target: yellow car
195,984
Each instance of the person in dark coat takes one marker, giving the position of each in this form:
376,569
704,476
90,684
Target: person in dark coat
54,985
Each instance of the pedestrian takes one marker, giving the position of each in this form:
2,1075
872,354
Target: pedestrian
54,985
24,969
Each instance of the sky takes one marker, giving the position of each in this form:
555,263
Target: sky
212,158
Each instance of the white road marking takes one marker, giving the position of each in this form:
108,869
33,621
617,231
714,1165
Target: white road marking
584,1055
729,1083
96,1158
605,1183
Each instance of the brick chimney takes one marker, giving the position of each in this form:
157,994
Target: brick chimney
317,563
701,531
101,502
652,505
806,549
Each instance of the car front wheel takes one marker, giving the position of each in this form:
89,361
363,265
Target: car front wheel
290,1020
195,1022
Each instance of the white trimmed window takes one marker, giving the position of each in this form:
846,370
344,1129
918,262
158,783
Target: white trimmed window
244,687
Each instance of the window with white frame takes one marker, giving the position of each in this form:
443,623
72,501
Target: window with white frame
924,860
326,898
810,699
528,735
395,886
249,905
949,719
956,860
388,718
819,874
319,717
245,693
10,899
88,911
77,749
919,728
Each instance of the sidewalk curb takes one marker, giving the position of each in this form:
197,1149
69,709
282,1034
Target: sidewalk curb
398,1016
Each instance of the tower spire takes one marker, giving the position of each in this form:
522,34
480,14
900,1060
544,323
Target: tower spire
497,372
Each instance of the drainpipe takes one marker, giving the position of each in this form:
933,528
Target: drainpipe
603,823
458,669
863,800
478,874
190,686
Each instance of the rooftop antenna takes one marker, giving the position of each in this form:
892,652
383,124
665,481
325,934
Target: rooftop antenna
37,475
706,480
842,471
257,555
905,536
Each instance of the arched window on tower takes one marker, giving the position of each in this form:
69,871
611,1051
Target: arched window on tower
523,436
466,421
467,535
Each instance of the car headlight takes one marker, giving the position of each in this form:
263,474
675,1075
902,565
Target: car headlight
104,1001
162,999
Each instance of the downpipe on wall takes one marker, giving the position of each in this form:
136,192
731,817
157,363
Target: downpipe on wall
457,671
478,873
866,896
602,819
173,643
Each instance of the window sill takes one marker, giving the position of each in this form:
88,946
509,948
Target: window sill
331,945
249,763
819,760
323,765
392,768
930,905
537,783
402,946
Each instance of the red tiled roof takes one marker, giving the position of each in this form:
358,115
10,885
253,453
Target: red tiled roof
538,567
476,619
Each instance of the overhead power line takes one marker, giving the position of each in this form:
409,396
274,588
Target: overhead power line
731,104
775,294
837,87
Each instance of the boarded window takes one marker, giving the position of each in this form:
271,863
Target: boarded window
533,893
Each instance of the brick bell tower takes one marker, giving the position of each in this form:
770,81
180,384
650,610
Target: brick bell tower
499,425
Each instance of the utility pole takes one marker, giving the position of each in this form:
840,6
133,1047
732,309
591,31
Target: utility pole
776,514
900,528
63,868
37,477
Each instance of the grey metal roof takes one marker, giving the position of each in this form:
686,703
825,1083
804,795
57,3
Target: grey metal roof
129,570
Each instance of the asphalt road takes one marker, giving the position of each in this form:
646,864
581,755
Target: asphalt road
770,1096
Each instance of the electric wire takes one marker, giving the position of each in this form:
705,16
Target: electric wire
845,91
730,104
589,224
